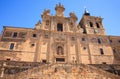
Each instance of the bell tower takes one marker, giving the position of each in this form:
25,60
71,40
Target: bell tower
91,24
59,10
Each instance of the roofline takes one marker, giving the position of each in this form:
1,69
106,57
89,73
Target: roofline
16,27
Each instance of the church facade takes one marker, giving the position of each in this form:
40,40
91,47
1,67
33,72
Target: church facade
60,42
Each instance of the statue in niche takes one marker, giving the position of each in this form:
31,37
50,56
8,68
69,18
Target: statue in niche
59,50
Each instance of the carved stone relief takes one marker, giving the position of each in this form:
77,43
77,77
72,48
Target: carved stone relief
104,40
22,34
73,38
46,36
47,24
93,40
60,50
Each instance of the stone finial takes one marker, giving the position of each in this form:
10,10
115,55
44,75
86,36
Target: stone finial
72,15
58,6
46,12
86,11
39,22
38,25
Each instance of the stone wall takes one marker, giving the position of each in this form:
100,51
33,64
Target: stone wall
65,71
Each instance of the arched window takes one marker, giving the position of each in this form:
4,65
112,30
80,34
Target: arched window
59,27
97,24
101,51
91,24
60,50
47,22
114,50
99,41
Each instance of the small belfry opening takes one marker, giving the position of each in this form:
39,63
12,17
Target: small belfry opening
47,22
97,24
59,27
91,24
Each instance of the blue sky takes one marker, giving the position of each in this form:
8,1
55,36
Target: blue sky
26,13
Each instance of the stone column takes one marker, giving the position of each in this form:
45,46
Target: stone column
68,50
3,70
36,56
78,52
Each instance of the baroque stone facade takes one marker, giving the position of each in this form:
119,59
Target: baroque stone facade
60,48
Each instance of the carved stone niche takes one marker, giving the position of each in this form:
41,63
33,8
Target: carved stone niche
73,38
46,36
71,28
59,39
59,49
47,24
71,24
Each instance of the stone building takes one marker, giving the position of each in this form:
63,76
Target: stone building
60,48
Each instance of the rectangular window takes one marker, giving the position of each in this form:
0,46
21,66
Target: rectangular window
110,41
60,59
103,62
97,24
11,46
32,45
46,36
91,24
73,38
84,31
101,51
59,27
34,35
83,39
8,59
119,41
99,41
14,34
44,61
